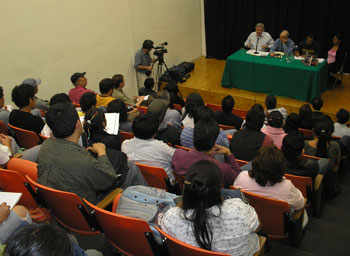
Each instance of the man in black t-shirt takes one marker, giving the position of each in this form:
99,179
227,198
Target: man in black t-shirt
24,97
308,47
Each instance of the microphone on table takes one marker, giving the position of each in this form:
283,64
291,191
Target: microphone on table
256,47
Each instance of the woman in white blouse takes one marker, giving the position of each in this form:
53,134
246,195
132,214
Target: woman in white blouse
206,221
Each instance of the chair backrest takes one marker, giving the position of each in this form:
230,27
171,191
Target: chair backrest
241,162
67,208
240,112
129,235
226,127
143,109
24,167
310,157
12,181
273,214
155,176
181,147
229,137
308,134
342,65
214,107
125,136
304,184
177,106
177,247
180,179
3,128
26,139
43,138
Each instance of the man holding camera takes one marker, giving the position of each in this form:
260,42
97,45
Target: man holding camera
143,62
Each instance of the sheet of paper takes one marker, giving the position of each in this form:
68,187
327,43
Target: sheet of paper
251,52
320,60
112,126
11,199
299,58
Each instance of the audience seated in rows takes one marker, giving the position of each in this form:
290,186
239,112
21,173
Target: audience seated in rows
166,132
144,149
172,88
4,112
225,117
95,130
39,103
118,93
292,123
12,220
204,220
64,165
24,97
125,117
266,178
80,82
202,112
87,101
271,105
106,90
172,116
148,89
306,120
340,128
246,142
193,101
274,128
205,135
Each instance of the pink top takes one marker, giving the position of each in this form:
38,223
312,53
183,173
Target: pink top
284,190
76,92
331,56
276,134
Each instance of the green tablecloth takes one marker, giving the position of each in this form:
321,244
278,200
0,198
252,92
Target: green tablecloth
273,76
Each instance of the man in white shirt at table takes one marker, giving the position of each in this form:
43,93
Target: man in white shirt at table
265,40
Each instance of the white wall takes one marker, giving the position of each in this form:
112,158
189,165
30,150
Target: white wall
53,39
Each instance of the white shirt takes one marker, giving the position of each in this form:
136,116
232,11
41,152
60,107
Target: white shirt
282,110
264,39
233,228
188,122
150,152
341,130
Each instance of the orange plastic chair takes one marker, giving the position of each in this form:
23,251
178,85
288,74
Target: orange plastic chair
68,209
43,138
129,235
3,128
181,147
180,179
26,139
125,136
142,109
177,106
155,176
226,127
177,247
214,107
24,167
241,162
12,181
229,137
304,184
308,134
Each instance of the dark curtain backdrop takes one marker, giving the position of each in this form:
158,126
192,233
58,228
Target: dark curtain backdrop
229,22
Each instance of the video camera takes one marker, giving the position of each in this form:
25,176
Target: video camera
160,50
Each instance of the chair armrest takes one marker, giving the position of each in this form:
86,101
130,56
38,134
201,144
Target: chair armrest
262,242
17,155
318,181
298,213
109,198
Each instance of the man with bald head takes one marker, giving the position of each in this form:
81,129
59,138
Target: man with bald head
283,44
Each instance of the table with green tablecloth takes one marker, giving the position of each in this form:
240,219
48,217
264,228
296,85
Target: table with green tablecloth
275,76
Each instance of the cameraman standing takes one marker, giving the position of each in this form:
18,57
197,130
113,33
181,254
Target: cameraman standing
143,62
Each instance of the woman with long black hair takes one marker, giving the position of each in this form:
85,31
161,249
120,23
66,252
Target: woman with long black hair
206,221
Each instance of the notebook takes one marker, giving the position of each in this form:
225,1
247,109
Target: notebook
112,126
11,199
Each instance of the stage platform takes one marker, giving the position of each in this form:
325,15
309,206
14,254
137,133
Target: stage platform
206,80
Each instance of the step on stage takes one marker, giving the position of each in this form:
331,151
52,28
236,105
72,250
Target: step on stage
206,80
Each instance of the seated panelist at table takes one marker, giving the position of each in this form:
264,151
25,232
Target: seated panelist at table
283,44
265,40
308,47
